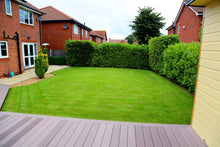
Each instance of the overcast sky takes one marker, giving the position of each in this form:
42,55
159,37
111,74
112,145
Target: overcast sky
114,16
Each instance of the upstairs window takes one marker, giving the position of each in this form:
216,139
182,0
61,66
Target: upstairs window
178,31
3,49
75,29
86,33
26,17
82,31
91,38
8,7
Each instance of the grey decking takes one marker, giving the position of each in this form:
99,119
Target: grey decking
35,130
3,93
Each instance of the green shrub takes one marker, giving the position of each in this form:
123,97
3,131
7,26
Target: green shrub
40,64
180,64
79,53
121,55
57,60
45,61
157,45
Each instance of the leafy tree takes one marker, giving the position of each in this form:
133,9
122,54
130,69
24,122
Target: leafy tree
147,24
130,38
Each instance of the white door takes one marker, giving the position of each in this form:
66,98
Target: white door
29,54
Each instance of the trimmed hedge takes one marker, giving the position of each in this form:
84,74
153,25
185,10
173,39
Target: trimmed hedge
180,63
157,45
121,56
79,52
53,60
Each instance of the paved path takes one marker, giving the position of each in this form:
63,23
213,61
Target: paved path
28,74
27,130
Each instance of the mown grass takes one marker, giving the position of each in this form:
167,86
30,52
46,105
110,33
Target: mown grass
105,94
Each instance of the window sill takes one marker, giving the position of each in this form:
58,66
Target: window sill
9,14
27,24
4,57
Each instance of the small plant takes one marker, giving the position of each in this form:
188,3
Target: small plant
41,64
46,64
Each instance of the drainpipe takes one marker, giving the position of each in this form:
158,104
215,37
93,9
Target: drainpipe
19,56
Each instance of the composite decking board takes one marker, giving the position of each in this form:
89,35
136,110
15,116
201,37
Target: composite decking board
115,136
163,137
38,133
179,137
63,141
3,117
76,134
22,133
171,137
3,93
99,136
84,134
123,142
196,137
155,137
147,137
131,136
14,127
107,136
60,134
139,136
52,133
91,136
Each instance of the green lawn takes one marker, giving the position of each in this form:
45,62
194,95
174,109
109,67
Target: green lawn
105,94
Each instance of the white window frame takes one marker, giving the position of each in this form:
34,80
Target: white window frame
29,12
75,29
35,54
91,38
178,30
1,57
86,33
10,8
82,31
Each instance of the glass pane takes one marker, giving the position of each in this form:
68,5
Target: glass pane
35,49
26,60
26,17
4,53
31,17
32,60
3,45
31,50
21,15
25,50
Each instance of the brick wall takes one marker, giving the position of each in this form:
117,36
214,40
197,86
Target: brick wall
11,24
189,26
171,31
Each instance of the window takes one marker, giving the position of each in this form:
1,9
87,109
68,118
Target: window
26,17
86,33
75,29
178,29
3,49
82,31
99,40
91,38
8,7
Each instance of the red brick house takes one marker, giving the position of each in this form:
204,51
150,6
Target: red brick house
96,37
57,27
103,34
117,40
19,36
187,23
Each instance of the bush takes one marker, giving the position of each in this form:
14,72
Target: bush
121,56
157,45
180,64
40,68
79,53
45,61
57,60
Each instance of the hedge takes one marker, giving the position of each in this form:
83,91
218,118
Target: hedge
157,45
180,63
53,60
79,53
121,56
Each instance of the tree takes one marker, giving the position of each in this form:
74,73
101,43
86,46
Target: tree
130,38
147,25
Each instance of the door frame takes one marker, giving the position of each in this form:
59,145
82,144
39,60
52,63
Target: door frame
29,56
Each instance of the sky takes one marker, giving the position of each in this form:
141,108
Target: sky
114,16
